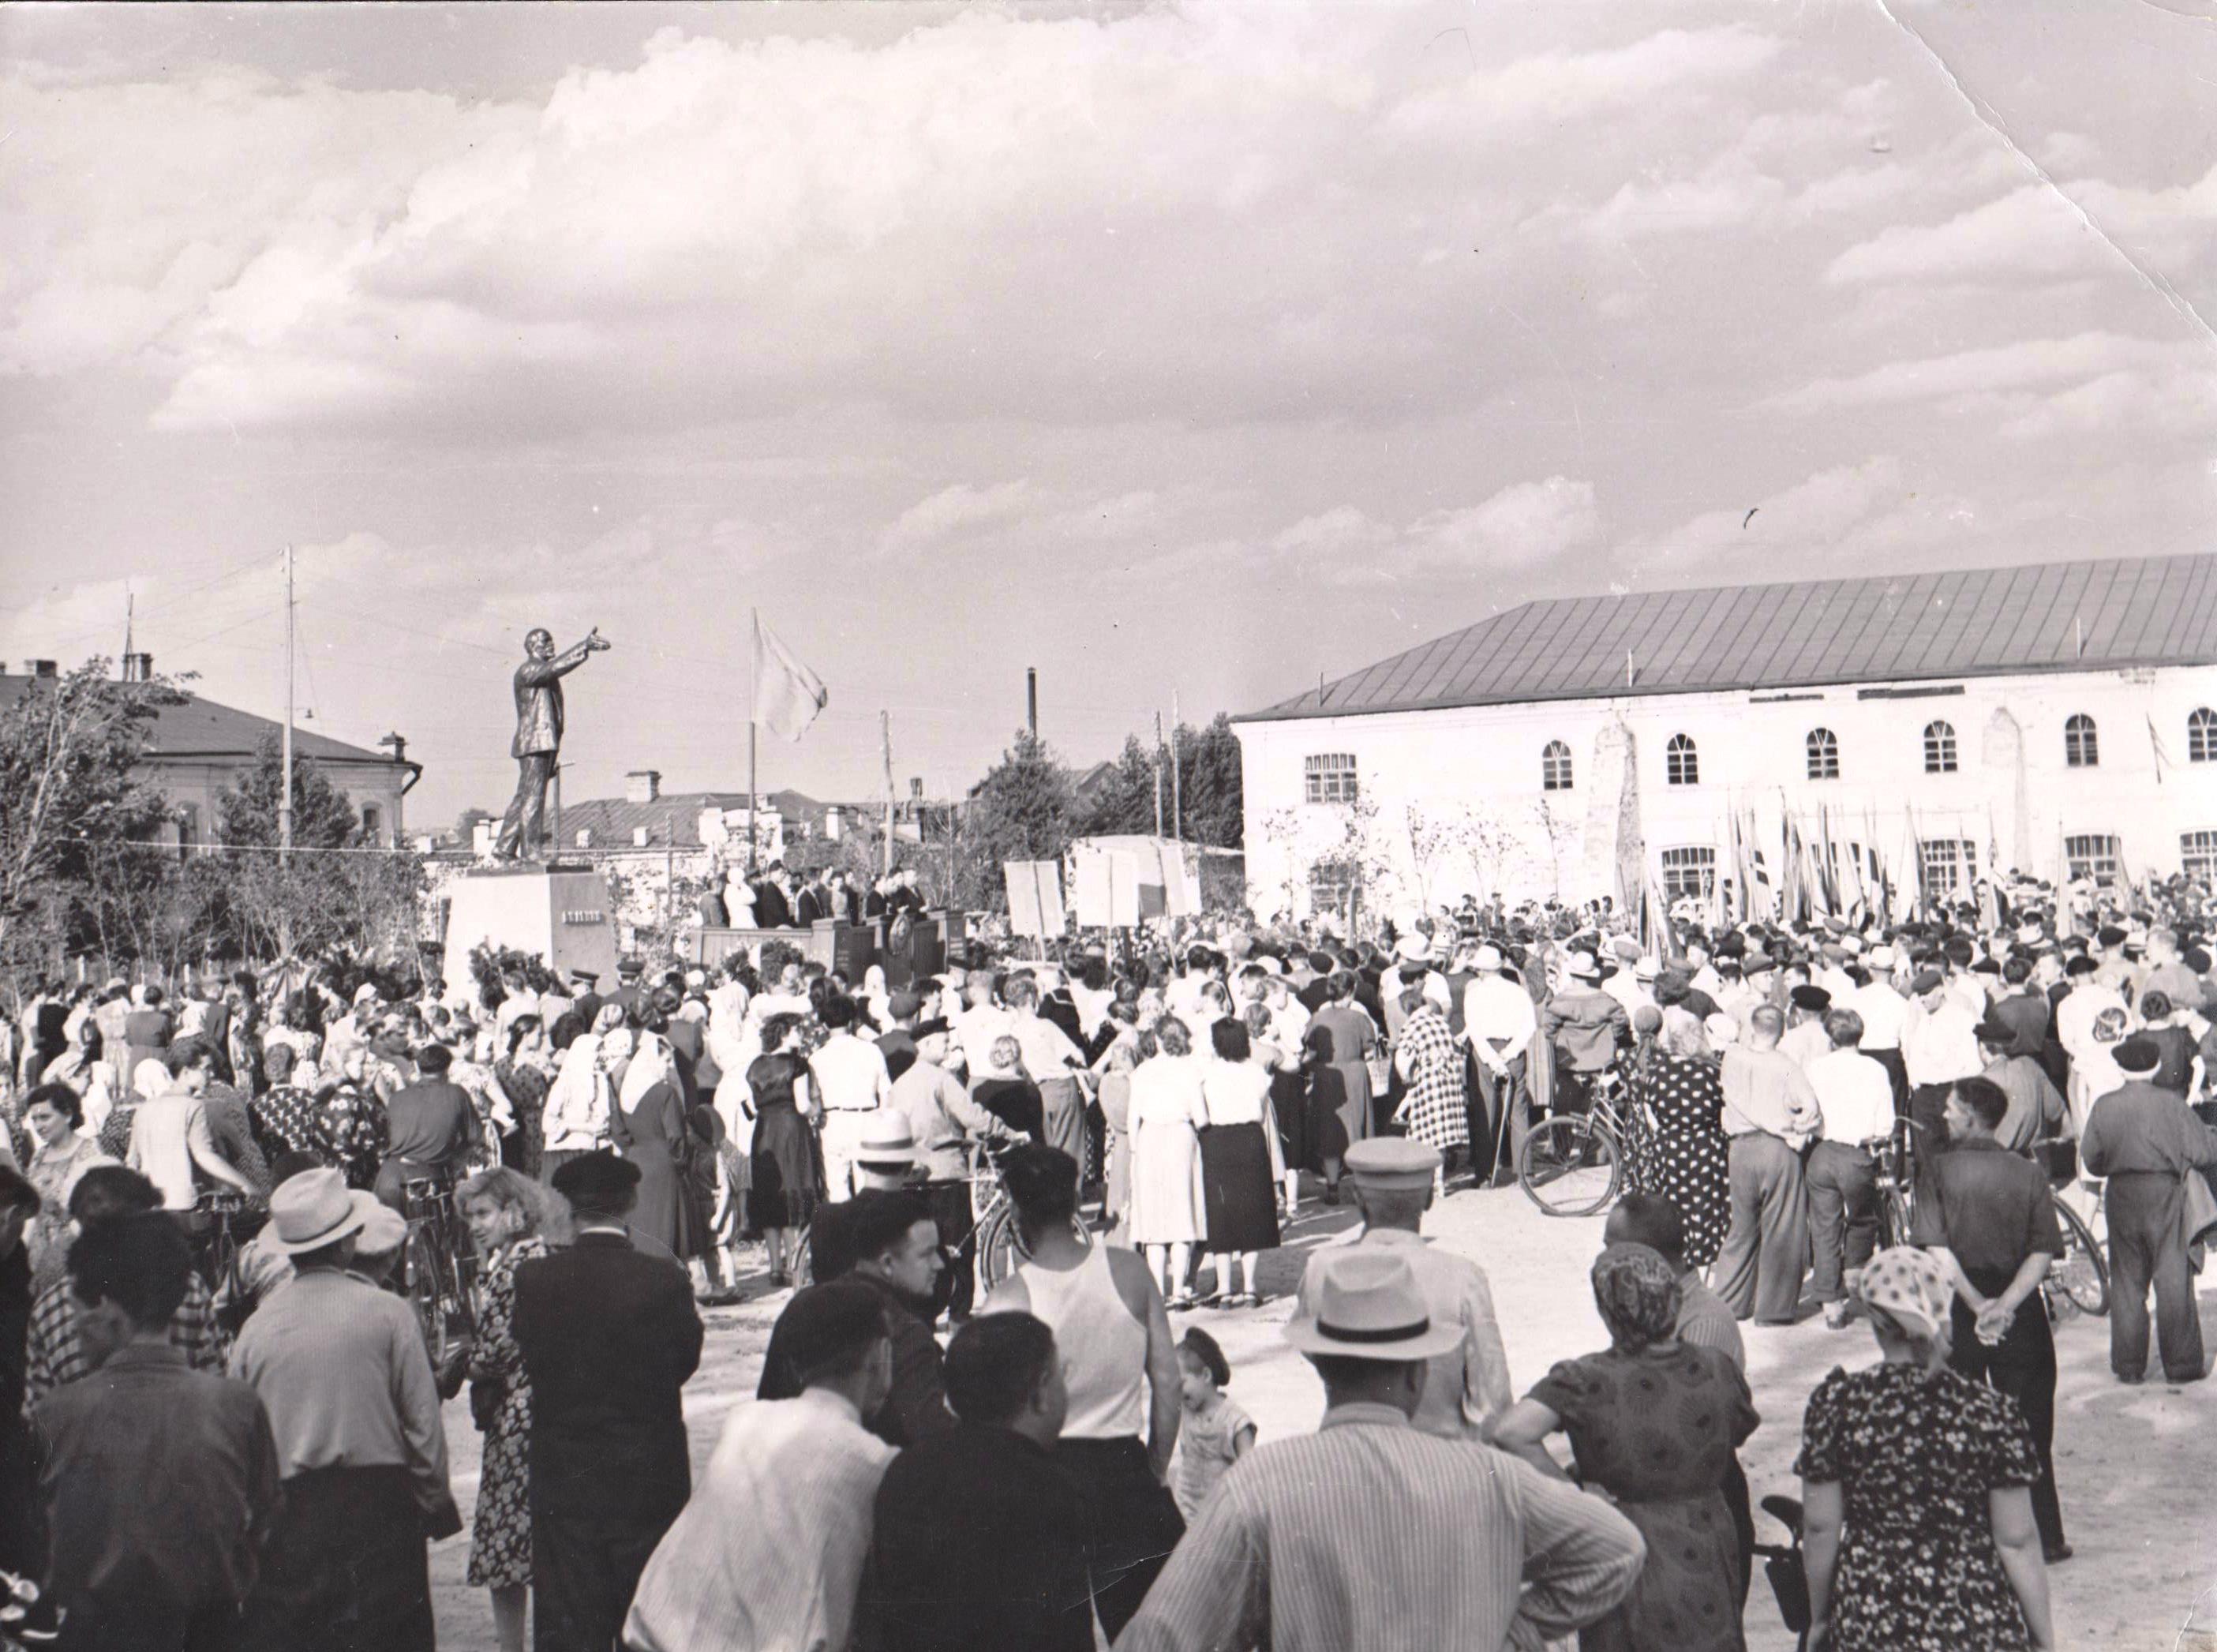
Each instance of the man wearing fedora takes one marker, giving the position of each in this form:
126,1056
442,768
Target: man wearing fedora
1500,1022
1468,1388
609,1336
1372,1533
341,1370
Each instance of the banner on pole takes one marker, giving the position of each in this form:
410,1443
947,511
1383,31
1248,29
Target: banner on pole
1034,897
787,695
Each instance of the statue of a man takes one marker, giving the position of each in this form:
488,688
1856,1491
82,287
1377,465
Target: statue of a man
538,737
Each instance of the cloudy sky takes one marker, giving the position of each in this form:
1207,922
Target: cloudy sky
1194,348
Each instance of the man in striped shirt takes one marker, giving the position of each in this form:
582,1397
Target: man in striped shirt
1369,1533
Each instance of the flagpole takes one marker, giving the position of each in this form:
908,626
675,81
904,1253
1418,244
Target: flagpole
754,679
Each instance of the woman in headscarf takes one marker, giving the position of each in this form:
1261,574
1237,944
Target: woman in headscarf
576,1116
1654,1422
1431,1065
1685,1157
648,1126
1916,1488
86,1069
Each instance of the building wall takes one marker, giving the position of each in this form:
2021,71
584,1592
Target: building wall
198,784
1454,802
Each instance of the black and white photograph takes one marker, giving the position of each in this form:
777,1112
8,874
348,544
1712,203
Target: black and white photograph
1108,825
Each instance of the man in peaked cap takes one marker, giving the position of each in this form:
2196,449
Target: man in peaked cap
1370,1531
609,1336
1584,1026
1467,1387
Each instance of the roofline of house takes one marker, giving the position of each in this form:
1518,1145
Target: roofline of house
1283,714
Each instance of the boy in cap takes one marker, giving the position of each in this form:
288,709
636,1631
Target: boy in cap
1370,1532
1467,1387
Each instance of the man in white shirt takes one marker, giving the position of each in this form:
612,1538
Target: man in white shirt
1500,1020
770,1552
2074,1030
981,1019
1939,1045
1856,1098
1883,1009
1051,1062
853,1082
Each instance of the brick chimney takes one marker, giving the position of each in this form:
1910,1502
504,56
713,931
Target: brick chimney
643,786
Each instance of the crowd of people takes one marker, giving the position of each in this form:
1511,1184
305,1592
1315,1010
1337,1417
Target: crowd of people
923,1469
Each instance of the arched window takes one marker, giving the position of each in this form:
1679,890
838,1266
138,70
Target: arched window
2080,748
2201,736
1939,748
1555,767
1681,765
1823,754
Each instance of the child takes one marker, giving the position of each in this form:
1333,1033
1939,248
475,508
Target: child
1216,1433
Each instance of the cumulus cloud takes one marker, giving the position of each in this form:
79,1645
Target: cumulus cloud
1522,525
954,511
2028,363
1866,507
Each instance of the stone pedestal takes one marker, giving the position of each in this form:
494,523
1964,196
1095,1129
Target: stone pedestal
561,912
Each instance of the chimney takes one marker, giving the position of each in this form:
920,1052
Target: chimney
138,668
44,668
916,789
642,785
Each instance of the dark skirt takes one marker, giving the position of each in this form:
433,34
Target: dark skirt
1236,1191
667,1210
1290,1099
786,1181
1135,1521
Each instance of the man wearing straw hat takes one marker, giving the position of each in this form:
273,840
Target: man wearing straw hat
340,1368
1371,1533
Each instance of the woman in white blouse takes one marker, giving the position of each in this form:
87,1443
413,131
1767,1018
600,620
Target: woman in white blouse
1168,1111
1242,1162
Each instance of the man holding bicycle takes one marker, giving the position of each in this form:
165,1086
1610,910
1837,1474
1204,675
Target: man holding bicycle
1586,1028
945,1122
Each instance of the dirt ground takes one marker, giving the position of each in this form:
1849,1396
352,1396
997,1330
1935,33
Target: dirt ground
2135,1466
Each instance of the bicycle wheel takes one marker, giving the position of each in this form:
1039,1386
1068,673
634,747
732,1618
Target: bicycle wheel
1570,1166
2081,1276
428,1290
997,1250
1892,1218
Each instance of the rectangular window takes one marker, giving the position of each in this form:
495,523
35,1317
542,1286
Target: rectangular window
1329,778
1950,866
2090,857
1333,886
2197,854
1688,872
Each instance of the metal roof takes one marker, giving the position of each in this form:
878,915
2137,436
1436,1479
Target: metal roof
2053,616
204,728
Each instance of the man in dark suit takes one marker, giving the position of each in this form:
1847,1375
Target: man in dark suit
609,1337
430,1126
772,908
846,904
585,997
814,905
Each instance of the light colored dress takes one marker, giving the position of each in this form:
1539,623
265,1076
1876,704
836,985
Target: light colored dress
1206,1452
1167,1113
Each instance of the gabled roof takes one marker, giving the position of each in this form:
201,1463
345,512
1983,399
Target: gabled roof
203,728
2054,616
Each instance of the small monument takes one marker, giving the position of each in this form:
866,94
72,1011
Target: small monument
518,898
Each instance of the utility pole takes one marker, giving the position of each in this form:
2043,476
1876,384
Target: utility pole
285,796
886,737
1031,699
1177,805
1158,774
130,664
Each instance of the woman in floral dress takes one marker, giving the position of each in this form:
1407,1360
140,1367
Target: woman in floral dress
1684,1156
1430,1063
504,1211
1918,1488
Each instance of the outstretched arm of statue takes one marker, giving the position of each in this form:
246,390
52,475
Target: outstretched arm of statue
537,673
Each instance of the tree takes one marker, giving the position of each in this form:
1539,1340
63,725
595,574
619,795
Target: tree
1020,811
1209,800
71,807
336,893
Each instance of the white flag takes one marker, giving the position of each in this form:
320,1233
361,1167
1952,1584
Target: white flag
787,695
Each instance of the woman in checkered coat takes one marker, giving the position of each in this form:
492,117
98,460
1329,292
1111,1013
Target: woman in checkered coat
1431,1068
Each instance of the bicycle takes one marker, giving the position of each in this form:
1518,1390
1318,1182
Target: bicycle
220,1247
1894,1186
435,1269
1572,1164
993,1238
